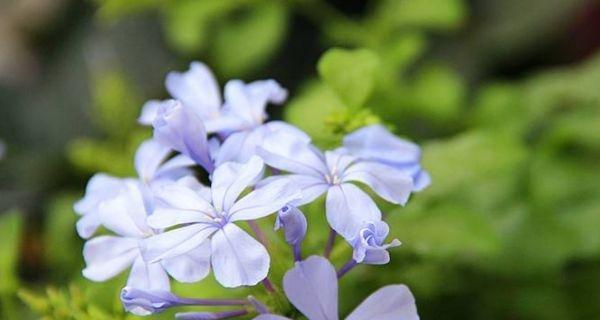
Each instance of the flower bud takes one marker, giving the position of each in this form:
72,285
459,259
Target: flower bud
293,222
368,244
143,303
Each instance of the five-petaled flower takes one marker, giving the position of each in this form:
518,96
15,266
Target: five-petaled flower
347,206
108,255
207,221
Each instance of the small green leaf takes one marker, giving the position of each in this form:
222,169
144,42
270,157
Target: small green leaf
352,74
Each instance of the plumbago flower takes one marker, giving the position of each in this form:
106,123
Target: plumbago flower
237,258
240,117
166,223
334,173
108,255
312,287
153,168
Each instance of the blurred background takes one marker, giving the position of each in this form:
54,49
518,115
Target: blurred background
503,96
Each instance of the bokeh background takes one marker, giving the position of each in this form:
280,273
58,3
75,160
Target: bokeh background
503,96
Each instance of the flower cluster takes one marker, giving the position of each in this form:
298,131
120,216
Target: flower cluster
166,223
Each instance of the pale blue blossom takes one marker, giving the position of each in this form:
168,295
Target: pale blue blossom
312,287
153,167
238,120
208,220
335,173
376,143
108,255
180,129
369,246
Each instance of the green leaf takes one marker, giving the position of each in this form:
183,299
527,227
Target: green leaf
60,239
188,22
438,94
311,108
430,14
352,74
243,43
116,104
11,224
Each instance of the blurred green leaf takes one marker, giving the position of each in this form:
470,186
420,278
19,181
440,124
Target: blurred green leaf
445,232
60,239
311,108
188,22
480,168
11,224
111,157
431,14
244,43
438,93
116,104
352,74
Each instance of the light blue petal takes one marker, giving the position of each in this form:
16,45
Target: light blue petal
148,276
197,89
311,286
376,142
349,208
182,130
126,213
148,158
190,267
237,258
264,200
175,242
230,179
287,152
392,185
311,187
100,188
107,256
388,303
249,101
149,110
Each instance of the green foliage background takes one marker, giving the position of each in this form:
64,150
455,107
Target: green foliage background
509,228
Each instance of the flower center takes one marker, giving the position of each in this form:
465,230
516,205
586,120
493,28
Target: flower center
333,178
220,219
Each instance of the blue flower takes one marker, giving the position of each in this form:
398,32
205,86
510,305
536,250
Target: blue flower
153,168
334,173
376,143
312,287
240,118
369,247
182,130
108,255
207,219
